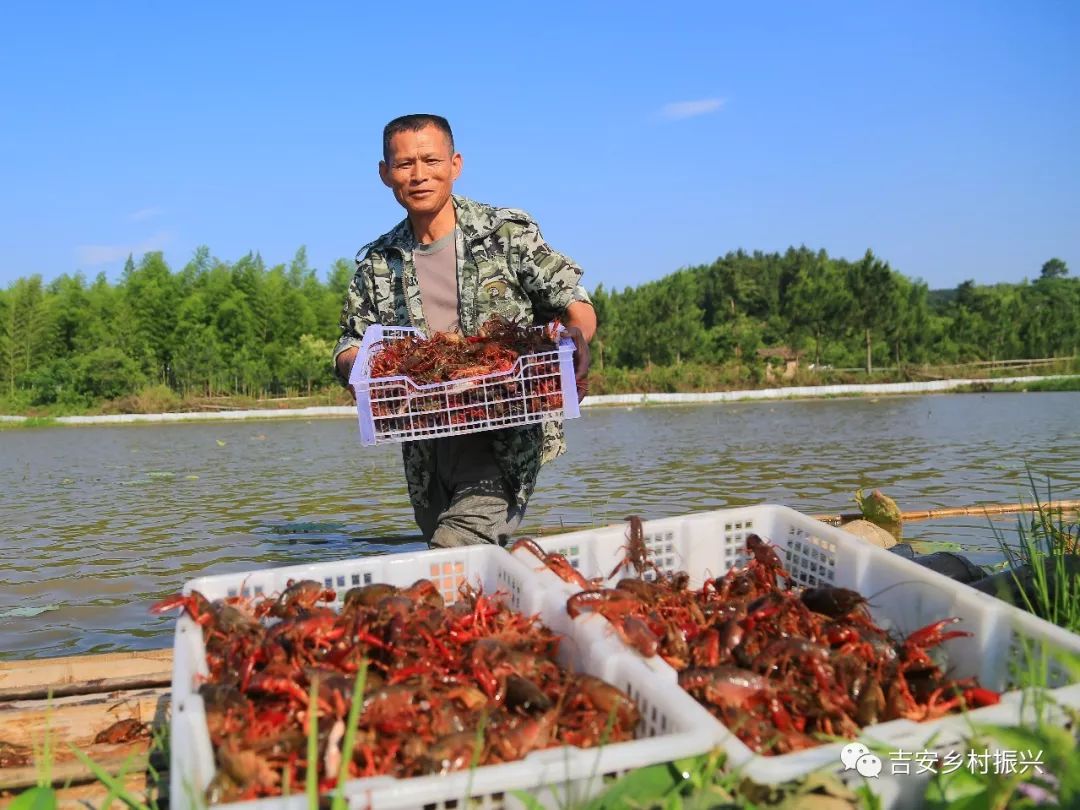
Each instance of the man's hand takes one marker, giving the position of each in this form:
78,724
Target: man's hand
345,362
581,360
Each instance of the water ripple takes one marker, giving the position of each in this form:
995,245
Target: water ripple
98,522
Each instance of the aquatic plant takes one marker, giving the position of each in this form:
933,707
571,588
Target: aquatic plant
1044,560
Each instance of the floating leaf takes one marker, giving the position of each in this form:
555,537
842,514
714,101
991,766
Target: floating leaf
27,612
220,443
931,546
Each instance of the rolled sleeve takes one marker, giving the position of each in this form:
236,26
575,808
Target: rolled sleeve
582,295
548,277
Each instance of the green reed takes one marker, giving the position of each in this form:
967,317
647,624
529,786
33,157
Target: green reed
339,802
1047,545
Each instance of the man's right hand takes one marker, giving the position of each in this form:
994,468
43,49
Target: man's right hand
345,362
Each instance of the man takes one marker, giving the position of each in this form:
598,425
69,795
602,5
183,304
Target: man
450,265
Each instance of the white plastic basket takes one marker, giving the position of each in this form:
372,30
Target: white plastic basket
708,544
539,387
672,725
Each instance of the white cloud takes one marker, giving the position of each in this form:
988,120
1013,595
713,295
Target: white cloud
90,255
143,213
678,110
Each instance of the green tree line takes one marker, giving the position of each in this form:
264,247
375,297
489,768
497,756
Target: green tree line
838,312
210,328
245,328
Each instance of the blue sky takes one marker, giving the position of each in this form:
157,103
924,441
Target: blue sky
944,136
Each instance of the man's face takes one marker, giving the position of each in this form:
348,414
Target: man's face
421,170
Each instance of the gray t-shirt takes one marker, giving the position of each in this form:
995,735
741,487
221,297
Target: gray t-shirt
459,460
436,272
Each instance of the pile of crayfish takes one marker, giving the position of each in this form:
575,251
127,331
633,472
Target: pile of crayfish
449,357
784,667
446,686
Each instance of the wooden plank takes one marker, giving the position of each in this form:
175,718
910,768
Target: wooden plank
78,719
93,794
85,688
84,674
66,769
90,794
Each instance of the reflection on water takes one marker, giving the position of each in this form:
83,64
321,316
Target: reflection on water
97,522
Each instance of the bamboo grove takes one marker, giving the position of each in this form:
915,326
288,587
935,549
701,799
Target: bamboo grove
243,328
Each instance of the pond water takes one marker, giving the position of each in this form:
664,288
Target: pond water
98,522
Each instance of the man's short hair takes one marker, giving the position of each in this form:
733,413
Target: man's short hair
414,123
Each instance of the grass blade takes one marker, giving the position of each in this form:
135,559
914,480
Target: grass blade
114,785
311,775
339,802
36,798
529,801
478,750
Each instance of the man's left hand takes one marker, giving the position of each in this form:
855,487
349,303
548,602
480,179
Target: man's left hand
581,360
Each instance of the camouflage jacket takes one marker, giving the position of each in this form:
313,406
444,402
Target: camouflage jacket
504,267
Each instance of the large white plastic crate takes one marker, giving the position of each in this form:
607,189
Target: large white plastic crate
707,544
672,724
537,388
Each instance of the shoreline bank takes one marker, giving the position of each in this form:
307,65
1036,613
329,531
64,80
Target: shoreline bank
342,411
